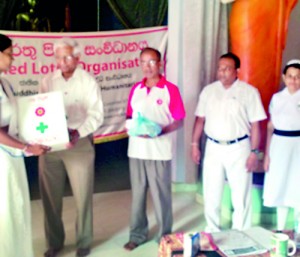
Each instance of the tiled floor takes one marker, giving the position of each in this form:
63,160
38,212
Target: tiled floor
111,224
112,201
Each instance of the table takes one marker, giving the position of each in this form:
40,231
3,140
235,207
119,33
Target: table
172,245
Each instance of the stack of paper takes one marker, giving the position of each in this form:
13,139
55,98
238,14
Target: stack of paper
240,243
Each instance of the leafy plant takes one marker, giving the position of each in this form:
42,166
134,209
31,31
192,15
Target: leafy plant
31,18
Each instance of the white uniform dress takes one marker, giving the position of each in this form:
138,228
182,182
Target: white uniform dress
15,219
281,186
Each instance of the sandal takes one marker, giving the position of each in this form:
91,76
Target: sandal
130,246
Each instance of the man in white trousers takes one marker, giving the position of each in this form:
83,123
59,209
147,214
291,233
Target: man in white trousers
228,111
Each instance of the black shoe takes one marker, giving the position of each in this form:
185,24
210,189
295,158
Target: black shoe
82,252
52,252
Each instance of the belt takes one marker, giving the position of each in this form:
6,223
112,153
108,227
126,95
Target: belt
229,142
287,133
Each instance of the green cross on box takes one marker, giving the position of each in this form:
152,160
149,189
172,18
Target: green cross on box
42,127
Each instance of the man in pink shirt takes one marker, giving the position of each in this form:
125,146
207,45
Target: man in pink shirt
158,100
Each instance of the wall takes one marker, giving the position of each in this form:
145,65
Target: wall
292,48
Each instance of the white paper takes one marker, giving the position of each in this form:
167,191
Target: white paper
260,235
237,243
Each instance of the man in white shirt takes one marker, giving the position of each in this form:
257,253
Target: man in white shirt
228,111
84,110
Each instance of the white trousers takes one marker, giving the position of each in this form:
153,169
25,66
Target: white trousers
282,214
227,162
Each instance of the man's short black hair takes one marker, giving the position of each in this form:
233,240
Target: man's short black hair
150,49
233,57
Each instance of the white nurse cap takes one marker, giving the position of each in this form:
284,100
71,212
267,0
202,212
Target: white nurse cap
293,61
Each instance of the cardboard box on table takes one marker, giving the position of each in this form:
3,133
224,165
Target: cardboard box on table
42,120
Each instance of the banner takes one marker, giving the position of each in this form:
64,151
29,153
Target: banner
111,57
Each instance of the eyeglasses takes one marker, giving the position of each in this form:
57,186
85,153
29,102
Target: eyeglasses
67,58
150,62
224,69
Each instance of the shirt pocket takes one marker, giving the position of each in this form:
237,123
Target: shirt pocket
234,106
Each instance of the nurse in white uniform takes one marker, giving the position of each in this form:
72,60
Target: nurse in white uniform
282,161
15,221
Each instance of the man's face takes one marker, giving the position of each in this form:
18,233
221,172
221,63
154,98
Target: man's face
65,59
150,64
227,73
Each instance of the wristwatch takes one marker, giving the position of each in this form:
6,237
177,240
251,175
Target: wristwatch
256,151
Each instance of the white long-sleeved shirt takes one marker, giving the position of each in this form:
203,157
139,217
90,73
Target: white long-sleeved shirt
82,99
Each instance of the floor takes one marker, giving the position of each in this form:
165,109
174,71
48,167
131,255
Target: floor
112,201
111,224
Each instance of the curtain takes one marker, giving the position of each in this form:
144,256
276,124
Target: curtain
260,47
139,13
198,35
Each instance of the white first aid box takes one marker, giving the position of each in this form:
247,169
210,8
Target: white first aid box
42,120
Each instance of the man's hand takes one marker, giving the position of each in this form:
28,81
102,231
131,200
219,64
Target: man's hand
36,149
74,137
196,154
252,162
266,163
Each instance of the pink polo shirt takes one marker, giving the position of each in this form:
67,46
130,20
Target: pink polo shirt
161,104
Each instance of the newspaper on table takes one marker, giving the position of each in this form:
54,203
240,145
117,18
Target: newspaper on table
241,243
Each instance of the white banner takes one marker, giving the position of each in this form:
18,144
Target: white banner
111,57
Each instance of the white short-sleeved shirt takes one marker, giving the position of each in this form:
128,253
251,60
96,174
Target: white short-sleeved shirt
229,112
161,104
8,112
82,99
284,109
5,109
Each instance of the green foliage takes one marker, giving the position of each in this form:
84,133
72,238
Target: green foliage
139,13
31,19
